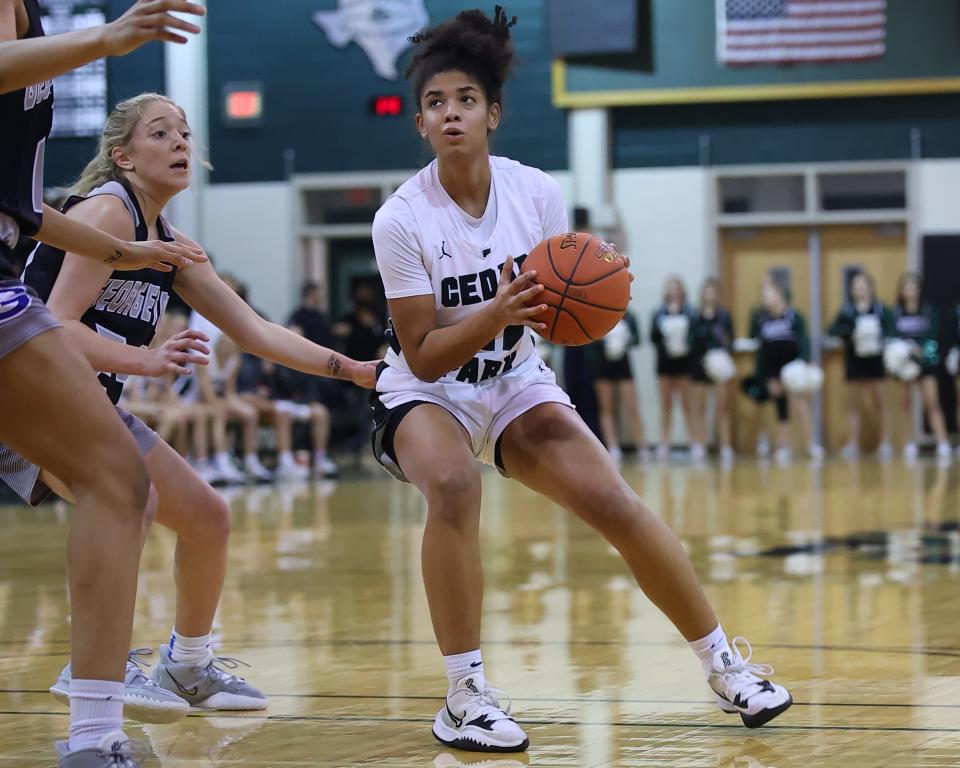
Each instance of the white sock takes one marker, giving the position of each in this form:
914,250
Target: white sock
459,665
96,709
707,646
190,650
285,459
251,460
319,455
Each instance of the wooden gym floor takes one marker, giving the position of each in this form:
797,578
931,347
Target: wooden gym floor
845,578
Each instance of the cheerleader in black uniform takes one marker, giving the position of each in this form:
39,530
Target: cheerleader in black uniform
712,328
916,321
670,334
613,380
782,333
861,324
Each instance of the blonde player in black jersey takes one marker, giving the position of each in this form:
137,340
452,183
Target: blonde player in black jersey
143,161
51,408
462,381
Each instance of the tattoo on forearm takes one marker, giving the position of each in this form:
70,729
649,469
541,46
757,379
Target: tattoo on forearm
113,258
334,366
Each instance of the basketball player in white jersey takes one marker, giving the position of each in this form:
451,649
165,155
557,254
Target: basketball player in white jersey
143,160
51,408
462,381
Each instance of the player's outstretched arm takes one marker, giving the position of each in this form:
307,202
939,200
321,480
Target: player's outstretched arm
31,61
79,283
70,234
205,292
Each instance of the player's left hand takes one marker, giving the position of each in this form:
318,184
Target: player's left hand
364,374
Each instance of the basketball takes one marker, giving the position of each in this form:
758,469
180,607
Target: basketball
586,287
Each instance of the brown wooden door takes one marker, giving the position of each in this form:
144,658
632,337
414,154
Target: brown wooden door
881,250
746,257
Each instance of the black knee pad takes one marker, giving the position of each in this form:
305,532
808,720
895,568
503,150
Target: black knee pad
783,408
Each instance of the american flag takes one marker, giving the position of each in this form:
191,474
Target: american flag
800,31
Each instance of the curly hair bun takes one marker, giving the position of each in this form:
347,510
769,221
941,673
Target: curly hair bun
470,42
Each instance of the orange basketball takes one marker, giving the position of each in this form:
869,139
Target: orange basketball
586,287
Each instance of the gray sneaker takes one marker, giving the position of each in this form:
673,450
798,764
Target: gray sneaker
209,686
143,699
115,751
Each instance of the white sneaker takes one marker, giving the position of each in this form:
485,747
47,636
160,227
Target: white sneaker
292,471
910,452
727,456
741,689
944,452
698,453
815,452
783,456
884,452
325,467
473,720
228,471
255,470
206,471
850,452
763,447
663,452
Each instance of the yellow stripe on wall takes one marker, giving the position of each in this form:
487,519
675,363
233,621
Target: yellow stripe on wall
725,93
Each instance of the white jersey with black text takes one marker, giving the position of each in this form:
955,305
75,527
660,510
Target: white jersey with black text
426,244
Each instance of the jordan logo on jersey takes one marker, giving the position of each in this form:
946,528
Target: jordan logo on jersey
133,298
36,94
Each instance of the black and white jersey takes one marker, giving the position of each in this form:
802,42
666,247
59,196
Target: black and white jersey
426,244
130,304
26,116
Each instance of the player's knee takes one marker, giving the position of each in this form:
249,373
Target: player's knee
212,521
450,486
125,489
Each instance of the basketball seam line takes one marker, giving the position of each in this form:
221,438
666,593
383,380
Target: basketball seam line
598,279
556,318
577,321
587,303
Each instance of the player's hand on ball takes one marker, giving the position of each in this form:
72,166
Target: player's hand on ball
365,374
511,305
176,353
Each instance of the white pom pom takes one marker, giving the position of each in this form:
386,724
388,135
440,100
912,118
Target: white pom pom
953,361
719,366
909,371
814,378
896,354
794,376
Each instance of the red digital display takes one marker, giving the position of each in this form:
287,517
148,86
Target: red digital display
386,106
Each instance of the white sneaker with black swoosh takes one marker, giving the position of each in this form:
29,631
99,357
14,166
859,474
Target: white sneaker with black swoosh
742,689
472,719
